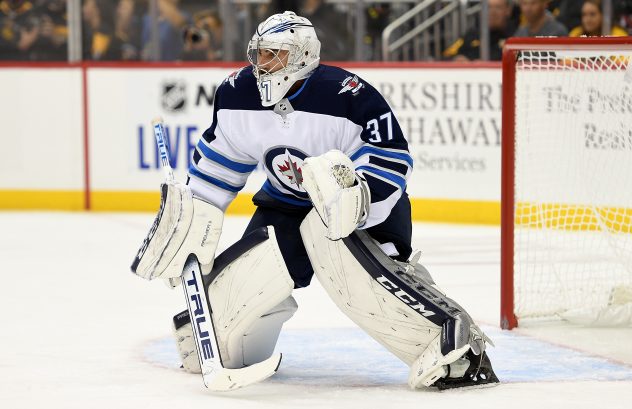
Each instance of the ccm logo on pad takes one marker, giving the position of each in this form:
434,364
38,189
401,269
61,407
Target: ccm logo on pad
404,296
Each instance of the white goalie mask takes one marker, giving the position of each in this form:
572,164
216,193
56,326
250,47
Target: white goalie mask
283,50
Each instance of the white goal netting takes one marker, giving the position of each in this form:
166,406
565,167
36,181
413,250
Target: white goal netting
573,186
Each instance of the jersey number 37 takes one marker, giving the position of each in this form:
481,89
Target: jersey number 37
373,126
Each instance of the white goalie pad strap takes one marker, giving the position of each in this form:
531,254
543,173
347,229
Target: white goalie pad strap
339,195
432,364
249,293
184,225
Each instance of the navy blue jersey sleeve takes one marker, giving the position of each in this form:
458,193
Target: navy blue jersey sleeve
382,156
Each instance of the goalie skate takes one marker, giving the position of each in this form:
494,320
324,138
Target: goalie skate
478,373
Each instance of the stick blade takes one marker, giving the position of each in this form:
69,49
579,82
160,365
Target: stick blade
230,379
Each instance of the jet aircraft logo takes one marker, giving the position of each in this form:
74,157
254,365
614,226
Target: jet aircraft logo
352,84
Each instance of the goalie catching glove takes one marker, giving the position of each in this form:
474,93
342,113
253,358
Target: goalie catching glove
340,196
184,225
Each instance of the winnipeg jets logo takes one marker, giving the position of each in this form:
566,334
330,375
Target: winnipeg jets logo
352,84
284,164
290,170
232,77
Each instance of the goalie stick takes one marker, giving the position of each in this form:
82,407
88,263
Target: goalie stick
215,376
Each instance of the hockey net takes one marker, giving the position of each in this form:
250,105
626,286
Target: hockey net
567,181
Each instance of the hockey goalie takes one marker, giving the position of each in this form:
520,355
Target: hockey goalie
337,166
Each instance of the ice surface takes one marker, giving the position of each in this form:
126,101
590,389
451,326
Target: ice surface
80,331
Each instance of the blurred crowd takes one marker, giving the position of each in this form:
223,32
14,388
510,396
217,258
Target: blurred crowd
33,30
532,18
192,30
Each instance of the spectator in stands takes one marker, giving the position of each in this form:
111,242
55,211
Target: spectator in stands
623,15
99,41
52,41
19,29
468,48
171,23
592,18
203,40
538,21
127,29
331,29
279,6
567,12
377,18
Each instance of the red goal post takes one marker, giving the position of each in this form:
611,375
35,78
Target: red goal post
533,61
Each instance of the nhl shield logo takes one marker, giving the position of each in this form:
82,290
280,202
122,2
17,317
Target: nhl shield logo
286,165
174,96
352,84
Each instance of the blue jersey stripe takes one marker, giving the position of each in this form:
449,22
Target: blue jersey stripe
211,155
381,152
382,163
399,181
278,195
209,179
291,97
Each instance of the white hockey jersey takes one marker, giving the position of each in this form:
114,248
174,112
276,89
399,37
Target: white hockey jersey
334,109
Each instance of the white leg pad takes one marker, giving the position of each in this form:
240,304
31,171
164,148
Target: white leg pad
256,345
385,317
250,299
396,303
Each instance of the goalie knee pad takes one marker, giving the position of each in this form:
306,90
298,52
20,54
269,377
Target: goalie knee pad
249,290
396,303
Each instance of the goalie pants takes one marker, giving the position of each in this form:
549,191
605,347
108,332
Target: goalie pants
286,219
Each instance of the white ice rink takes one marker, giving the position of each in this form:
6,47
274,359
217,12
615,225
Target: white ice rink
80,331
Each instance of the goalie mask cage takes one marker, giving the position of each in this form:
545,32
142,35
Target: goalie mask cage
566,233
